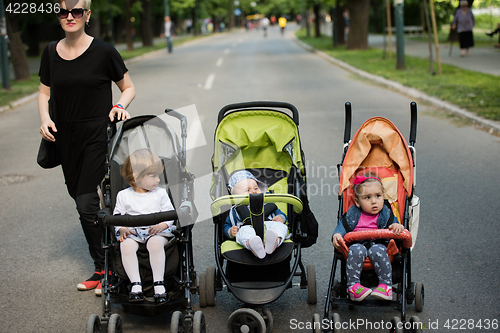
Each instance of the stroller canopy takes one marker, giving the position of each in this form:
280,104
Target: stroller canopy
257,139
379,147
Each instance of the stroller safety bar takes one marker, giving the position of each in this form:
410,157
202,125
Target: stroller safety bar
245,200
135,220
357,236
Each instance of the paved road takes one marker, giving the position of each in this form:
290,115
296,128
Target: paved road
44,253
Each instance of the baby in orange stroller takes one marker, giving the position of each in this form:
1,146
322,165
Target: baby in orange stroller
368,212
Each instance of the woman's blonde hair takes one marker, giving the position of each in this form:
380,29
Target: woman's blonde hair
86,3
141,163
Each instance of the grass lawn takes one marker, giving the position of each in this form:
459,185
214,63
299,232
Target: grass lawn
470,90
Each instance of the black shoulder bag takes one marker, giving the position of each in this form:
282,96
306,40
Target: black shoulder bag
48,156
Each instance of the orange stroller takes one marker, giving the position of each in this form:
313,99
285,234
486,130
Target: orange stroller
378,147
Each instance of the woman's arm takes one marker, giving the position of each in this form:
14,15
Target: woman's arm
128,94
43,109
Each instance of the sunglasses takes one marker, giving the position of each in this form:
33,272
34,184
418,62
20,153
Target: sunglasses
75,12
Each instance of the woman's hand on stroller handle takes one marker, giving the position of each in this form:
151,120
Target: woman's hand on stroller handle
118,113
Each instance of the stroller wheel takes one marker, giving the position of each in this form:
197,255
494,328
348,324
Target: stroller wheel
416,325
397,326
93,324
311,284
115,324
202,290
246,321
199,325
316,323
177,322
419,296
335,323
268,318
210,286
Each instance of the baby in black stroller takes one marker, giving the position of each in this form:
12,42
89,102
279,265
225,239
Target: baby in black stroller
148,217
141,170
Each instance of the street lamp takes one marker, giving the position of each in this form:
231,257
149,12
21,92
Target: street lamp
3,48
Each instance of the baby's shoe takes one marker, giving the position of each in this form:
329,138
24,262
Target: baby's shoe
136,294
271,241
357,293
255,245
383,292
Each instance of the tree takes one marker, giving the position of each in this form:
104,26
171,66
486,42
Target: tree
146,23
359,11
17,52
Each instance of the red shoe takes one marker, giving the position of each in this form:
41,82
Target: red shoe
90,283
98,289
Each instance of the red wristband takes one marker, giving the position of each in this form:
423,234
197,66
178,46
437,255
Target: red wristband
119,106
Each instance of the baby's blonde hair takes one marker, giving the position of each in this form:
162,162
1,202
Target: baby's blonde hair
141,163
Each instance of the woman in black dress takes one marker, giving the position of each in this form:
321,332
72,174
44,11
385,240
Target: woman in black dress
83,69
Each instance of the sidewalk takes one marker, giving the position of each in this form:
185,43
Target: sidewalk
482,59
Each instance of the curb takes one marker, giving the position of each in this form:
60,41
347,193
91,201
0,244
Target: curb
491,126
34,96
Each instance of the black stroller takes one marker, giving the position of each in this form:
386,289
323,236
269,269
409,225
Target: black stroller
154,133
379,147
262,138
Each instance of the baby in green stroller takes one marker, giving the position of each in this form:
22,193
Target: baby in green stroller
238,223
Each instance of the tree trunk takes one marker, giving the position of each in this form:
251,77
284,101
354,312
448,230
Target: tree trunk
317,20
358,27
94,27
146,24
17,52
128,26
340,20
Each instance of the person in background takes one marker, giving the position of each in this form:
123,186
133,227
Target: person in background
464,22
169,33
496,31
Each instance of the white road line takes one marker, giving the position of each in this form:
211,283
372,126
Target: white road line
219,62
226,51
209,82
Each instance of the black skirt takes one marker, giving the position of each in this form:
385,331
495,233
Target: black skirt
466,39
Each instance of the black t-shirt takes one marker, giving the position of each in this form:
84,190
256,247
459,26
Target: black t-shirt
82,86
82,91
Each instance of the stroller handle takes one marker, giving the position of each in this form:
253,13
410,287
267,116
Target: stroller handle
245,105
135,220
347,126
231,200
356,236
413,124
